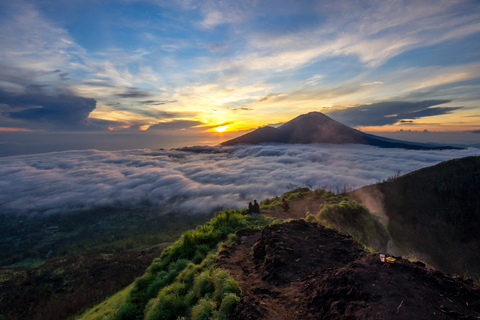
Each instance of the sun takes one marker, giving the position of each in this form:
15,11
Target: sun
221,128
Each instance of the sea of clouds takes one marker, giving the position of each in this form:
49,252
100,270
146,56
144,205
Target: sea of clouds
197,179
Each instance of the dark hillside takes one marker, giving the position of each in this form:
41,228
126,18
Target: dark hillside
61,288
54,266
434,211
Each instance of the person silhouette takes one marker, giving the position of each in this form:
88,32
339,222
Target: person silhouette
256,207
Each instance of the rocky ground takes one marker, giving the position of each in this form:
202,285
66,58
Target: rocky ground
300,270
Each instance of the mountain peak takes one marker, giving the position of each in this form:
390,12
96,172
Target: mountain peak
312,114
316,127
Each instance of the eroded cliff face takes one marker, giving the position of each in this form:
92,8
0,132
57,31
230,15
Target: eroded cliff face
433,213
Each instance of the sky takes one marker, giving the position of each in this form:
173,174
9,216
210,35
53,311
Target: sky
120,74
194,182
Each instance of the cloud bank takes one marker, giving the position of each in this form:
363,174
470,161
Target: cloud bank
211,178
389,112
40,111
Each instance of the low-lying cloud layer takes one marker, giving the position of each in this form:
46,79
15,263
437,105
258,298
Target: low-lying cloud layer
216,178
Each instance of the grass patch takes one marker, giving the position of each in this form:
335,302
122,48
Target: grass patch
108,308
354,219
296,194
183,283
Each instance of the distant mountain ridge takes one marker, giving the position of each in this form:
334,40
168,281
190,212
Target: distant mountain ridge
315,127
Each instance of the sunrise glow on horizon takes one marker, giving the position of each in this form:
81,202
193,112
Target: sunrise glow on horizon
163,68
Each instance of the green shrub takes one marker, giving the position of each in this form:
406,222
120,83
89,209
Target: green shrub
188,274
183,280
155,285
143,282
302,193
201,253
190,240
332,198
174,301
181,264
128,311
229,303
295,194
194,284
203,284
354,219
169,304
203,310
266,202
318,193
190,299
156,266
224,284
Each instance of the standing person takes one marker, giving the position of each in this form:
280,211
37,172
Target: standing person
285,205
256,207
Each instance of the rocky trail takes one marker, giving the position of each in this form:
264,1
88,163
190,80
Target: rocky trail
300,270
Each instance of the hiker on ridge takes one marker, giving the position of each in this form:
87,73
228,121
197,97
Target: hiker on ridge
256,207
285,205
249,210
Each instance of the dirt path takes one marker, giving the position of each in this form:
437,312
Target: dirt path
262,299
300,270
270,263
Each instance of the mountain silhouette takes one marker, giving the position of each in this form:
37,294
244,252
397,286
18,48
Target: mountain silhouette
315,127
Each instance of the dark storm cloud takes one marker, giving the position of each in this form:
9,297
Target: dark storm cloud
134,93
158,102
390,112
20,78
216,177
175,125
39,110
158,114
63,76
101,83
